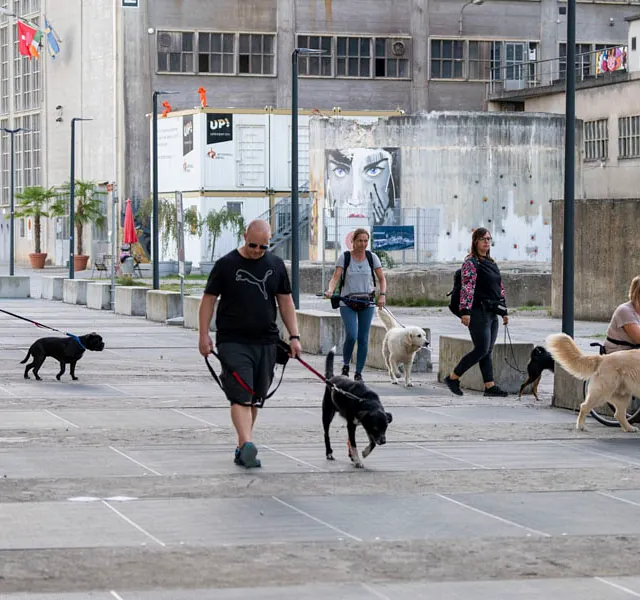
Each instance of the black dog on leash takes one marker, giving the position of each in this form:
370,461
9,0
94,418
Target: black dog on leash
539,361
361,406
65,350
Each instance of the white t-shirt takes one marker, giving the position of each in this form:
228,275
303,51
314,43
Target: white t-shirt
358,278
625,314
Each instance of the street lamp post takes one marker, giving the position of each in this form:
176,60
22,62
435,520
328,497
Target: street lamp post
295,206
476,2
72,193
12,133
569,175
155,238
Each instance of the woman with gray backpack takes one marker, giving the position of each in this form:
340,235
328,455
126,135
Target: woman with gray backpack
352,289
482,300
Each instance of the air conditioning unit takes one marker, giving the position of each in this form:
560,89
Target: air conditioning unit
398,48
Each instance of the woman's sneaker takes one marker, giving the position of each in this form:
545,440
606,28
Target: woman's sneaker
453,385
246,456
345,370
495,391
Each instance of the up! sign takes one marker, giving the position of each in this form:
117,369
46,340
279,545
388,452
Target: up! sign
219,128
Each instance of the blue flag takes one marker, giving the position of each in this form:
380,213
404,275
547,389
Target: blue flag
52,39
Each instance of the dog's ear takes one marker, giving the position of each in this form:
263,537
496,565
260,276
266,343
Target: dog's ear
389,417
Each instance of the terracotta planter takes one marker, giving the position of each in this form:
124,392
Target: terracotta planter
80,262
37,260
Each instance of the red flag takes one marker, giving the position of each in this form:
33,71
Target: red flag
25,38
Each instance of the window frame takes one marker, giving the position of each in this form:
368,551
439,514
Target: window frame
193,52
630,139
596,140
305,60
222,53
274,54
453,60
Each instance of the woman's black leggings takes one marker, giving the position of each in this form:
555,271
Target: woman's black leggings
484,331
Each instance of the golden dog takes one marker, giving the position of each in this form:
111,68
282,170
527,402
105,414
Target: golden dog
614,378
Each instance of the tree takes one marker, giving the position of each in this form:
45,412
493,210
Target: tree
88,208
217,220
33,202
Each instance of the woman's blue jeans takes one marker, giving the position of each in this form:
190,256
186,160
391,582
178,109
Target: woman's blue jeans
356,326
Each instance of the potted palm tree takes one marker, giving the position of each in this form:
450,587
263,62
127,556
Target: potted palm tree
33,202
215,223
88,209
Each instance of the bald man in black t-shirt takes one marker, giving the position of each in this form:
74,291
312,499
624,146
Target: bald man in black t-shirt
250,282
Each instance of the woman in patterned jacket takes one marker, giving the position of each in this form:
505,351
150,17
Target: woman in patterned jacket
481,301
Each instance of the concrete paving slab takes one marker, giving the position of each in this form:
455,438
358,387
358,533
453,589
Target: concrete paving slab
65,525
81,596
623,448
561,513
214,460
77,463
527,589
542,454
227,521
383,517
128,419
29,419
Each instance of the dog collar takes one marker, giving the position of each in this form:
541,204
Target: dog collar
77,339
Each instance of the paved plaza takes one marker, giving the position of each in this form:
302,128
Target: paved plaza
122,485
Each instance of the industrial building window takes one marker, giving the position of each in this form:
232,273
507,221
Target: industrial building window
391,58
320,65
353,57
5,162
27,151
26,80
175,52
596,139
4,70
584,59
629,137
447,59
216,52
256,54
484,60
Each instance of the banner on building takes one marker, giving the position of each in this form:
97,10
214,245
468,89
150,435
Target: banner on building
611,59
219,128
396,237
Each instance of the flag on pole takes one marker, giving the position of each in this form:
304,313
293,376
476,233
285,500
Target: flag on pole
35,44
53,41
26,34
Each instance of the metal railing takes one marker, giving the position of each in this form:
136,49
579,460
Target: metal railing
279,216
602,63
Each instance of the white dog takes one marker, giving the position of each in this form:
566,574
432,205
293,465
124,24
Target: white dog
400,345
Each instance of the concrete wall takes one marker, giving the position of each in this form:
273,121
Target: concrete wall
496,170
607,256
614,177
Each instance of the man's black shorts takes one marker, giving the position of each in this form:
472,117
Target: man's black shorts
254,363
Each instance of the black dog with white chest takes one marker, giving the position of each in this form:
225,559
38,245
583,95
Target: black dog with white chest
67,351
539,361
361,406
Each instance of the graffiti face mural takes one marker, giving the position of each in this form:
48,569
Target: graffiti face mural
363,182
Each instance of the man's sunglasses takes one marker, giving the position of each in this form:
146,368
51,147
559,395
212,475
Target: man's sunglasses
261,246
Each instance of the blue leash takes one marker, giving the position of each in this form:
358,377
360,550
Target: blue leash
73,336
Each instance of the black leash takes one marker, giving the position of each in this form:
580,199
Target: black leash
43,326
241,382
513,354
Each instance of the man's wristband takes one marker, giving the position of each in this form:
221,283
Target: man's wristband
382,294
294,337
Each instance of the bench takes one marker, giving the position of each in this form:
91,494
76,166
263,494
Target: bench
568,392
321,330
452,349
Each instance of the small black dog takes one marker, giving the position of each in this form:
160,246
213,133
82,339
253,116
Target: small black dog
539,361
361,407
65,350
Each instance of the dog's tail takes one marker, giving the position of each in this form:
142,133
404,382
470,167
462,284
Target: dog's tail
328,366
564,351
26,358
387,319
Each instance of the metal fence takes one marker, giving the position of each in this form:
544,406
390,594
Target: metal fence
605,61
416,230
